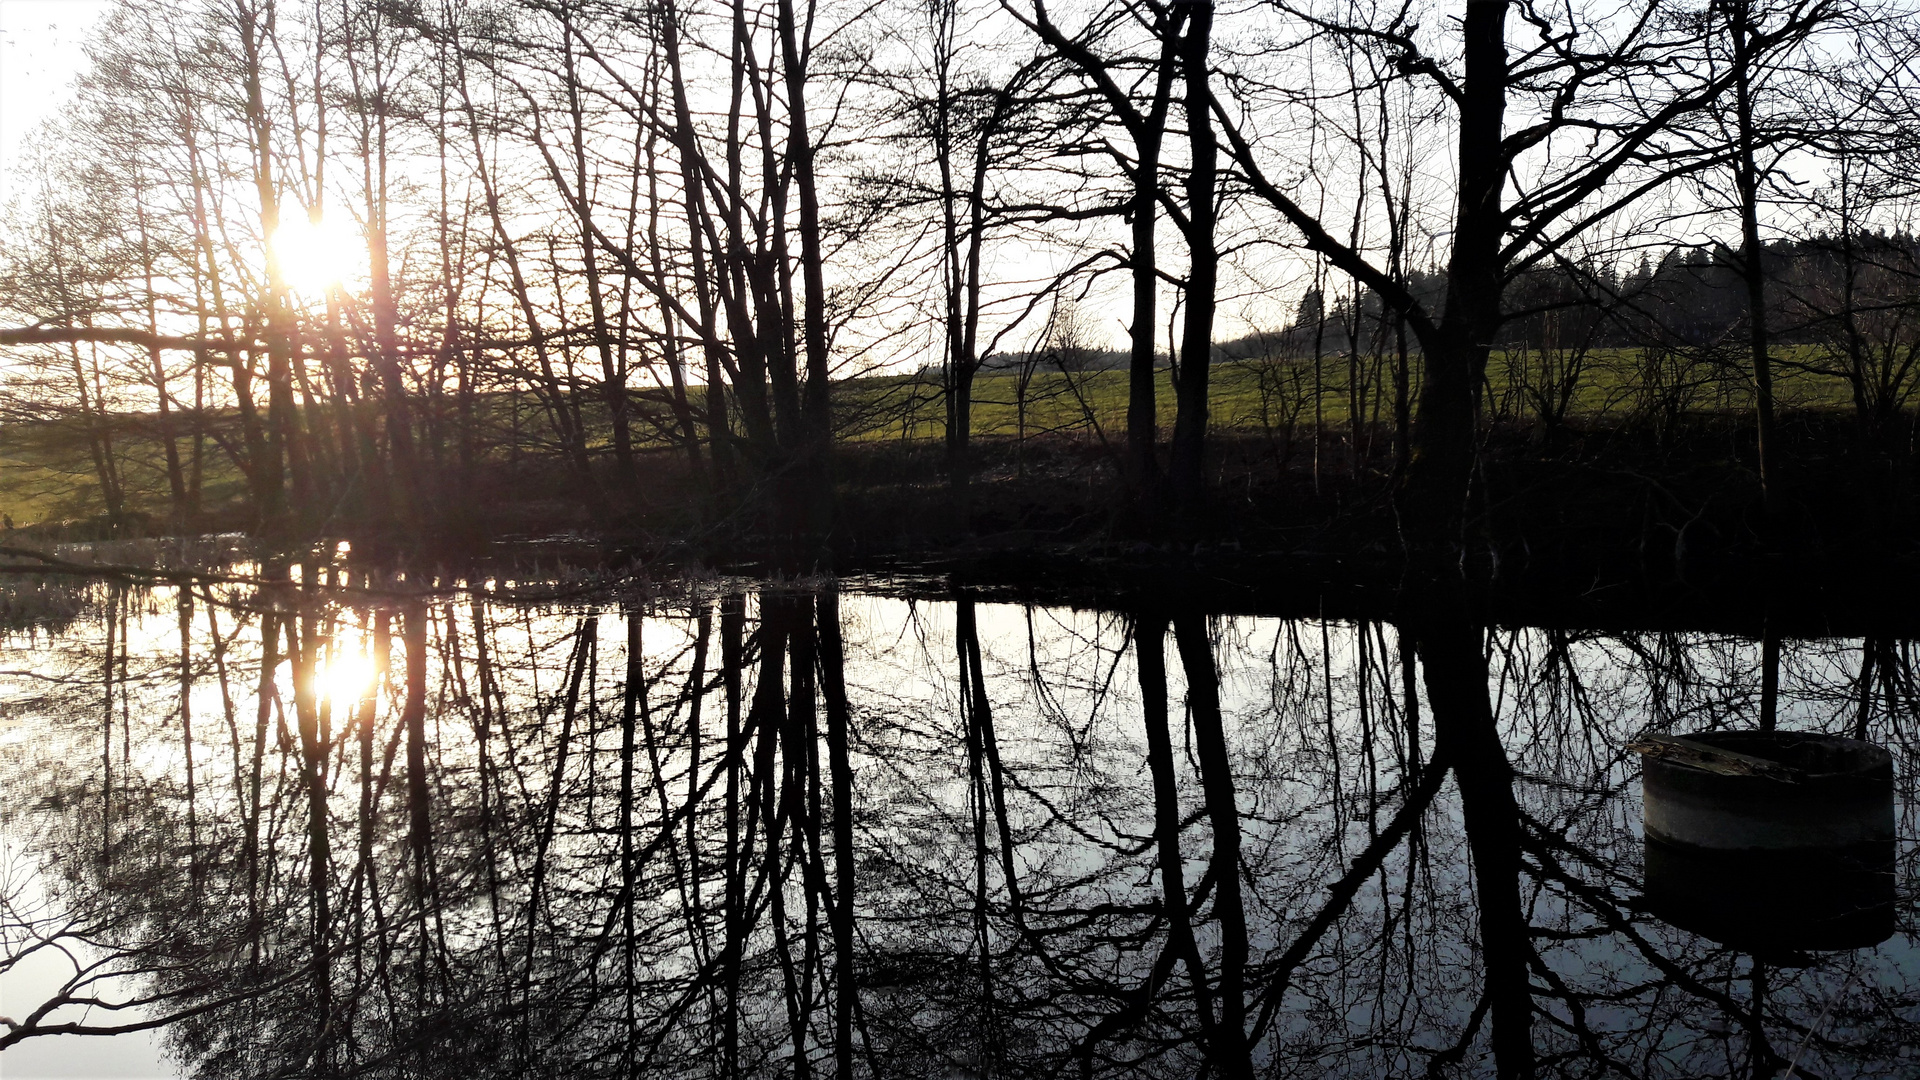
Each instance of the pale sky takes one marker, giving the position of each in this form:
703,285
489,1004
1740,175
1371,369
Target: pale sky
40,53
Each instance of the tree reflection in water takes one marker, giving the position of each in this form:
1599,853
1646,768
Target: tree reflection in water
741,831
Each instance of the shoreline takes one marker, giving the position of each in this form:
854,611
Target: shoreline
1584,526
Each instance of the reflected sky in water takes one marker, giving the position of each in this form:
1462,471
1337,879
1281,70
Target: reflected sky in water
718,830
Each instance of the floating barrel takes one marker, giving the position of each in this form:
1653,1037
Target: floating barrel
1771,841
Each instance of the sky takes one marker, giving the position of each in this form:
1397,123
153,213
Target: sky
40,53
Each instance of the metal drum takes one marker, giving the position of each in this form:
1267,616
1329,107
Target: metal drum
1771,841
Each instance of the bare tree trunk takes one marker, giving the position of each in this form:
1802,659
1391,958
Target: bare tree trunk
283,452
413,718
1747,180
408,492
1188,473
984,804
629,709
816,405
106,734
176,479
183,602
613,378
833,686
250,853
301,640
1445,436
1150,633
732,660
1143,174
1229,1047
1769,676
1467,739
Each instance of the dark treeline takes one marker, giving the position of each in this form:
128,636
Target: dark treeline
1827,290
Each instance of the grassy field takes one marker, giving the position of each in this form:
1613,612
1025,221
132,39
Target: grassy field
47,472
1253,396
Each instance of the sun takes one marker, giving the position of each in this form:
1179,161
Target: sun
318,255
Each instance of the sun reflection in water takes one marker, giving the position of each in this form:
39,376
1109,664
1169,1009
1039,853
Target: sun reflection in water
346,677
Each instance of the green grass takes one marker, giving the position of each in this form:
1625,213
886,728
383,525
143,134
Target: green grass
1255,396
47,472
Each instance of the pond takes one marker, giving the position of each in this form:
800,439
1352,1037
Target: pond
719,828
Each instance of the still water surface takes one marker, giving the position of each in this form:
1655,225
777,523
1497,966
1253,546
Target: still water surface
717,829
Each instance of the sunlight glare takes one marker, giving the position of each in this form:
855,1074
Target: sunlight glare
317,255
346,678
